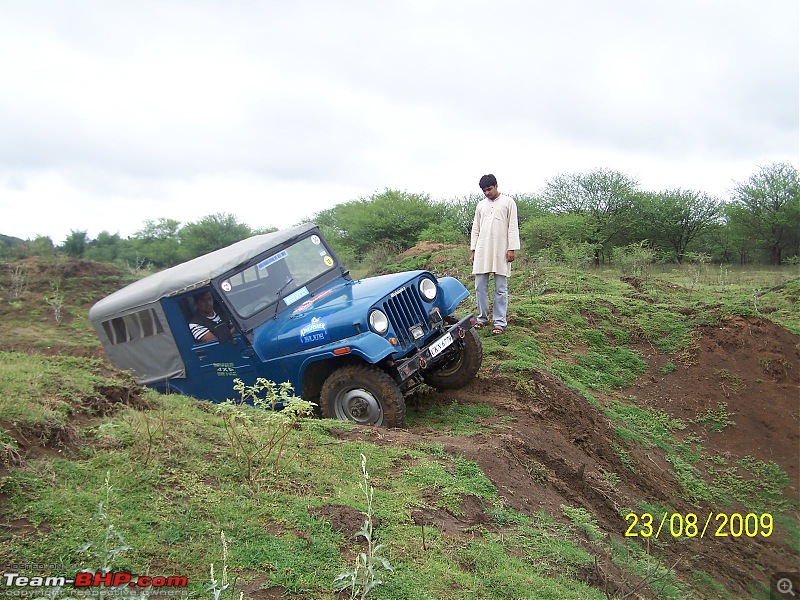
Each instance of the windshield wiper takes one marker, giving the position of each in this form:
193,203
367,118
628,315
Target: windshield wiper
278,301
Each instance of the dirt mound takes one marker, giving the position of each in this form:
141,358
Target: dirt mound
40,275
423,248
752,368
51,439
559,449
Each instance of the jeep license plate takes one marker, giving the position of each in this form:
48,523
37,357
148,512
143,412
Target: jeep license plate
440,344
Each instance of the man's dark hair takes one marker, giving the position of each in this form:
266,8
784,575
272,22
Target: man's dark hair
487,181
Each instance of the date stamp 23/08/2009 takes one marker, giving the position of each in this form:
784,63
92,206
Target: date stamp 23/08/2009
691,525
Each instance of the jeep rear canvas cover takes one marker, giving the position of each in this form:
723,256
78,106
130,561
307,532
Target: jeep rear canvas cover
131,324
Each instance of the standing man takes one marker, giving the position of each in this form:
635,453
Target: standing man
494,241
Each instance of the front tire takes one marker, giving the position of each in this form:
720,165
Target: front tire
363,394
462,368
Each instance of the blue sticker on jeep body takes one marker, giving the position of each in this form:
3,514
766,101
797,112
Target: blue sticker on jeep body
315,331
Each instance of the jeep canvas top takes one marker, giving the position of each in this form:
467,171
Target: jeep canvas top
288,310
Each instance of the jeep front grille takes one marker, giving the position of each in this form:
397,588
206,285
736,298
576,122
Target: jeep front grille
404,310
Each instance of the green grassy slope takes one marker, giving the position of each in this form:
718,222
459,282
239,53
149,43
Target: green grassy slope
97,473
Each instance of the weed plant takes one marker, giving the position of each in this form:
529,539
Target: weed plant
635,260
109,544
146,430
56,301
667,368
716,418
257,432
19,281
370,565
219,587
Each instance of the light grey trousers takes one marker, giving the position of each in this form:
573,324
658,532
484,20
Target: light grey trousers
500,298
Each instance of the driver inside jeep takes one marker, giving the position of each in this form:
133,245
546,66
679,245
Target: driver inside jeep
205,324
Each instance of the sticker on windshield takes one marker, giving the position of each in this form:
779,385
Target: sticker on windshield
315,331
328,261
226,286
296,295
315,240
272,259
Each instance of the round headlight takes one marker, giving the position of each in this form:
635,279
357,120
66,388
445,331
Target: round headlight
378,322
428,289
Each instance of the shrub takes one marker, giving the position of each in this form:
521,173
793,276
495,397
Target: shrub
258,433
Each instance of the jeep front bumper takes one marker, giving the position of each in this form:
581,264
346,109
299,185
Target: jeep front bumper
439,350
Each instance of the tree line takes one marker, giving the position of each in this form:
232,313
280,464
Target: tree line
596,214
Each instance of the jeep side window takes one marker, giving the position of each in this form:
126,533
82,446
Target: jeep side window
134,326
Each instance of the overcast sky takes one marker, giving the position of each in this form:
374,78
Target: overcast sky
117,112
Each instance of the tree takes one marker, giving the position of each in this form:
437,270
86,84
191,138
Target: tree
457,214
767,205
105,248
605,197
528,207
553,230
391,216
75,244
157,243
41,245
210,233
675,218
729,241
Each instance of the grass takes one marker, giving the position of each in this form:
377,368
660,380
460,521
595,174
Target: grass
770,292
756,485
273,530
586,336
45,391
453,419
587,327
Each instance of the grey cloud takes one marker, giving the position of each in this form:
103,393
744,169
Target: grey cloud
126,99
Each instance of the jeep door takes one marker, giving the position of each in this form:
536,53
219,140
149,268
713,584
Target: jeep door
211,366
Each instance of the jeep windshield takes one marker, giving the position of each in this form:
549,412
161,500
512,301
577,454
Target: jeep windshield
284,275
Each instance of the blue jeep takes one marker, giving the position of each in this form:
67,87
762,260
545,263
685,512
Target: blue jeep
288,310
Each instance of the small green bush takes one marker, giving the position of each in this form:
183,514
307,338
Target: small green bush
258,433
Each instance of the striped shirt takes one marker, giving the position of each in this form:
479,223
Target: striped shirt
198,331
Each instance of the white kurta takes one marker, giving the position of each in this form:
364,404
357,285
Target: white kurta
495,229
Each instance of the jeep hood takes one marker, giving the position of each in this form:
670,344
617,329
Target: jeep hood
334,312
